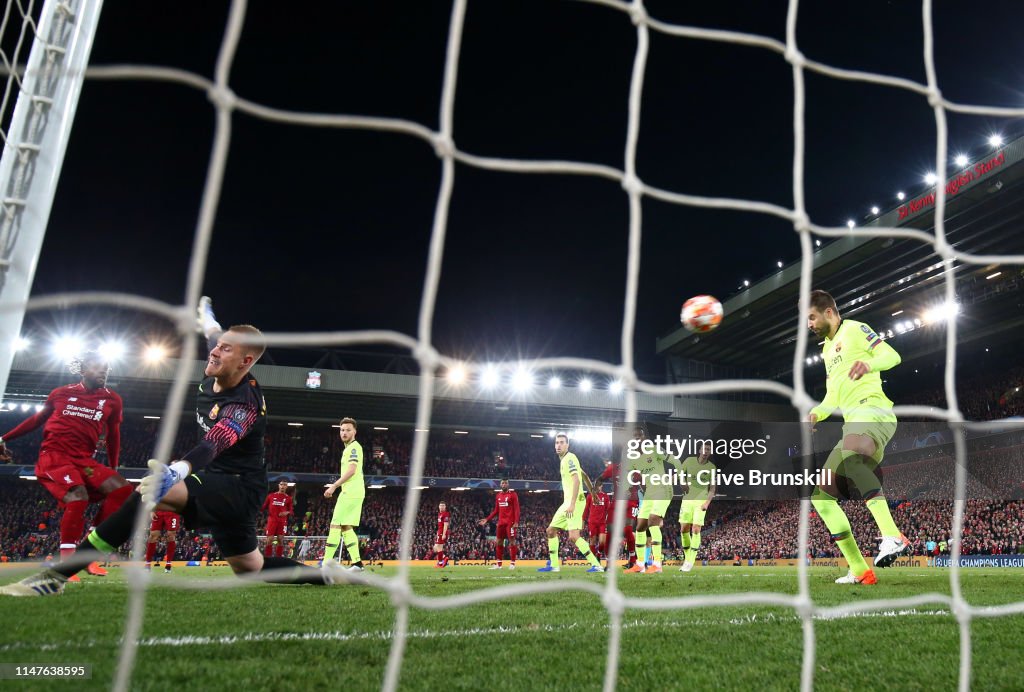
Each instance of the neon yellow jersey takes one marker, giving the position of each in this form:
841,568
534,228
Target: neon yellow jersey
353,454
649,465
854,341
699,476
570,466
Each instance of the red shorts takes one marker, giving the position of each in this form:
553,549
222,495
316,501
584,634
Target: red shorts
595,530
59,473
275,528
505,531
165,521
634,509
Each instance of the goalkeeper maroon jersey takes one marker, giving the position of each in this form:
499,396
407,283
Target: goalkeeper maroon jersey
73,418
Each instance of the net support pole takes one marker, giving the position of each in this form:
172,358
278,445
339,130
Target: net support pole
36,141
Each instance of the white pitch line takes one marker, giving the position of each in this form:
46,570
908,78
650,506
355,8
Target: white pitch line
336,636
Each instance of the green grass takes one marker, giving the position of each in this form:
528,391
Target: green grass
285,637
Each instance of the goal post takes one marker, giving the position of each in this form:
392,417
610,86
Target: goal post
33,150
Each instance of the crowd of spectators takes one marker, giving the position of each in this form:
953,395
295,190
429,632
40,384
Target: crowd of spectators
316,448
983,397
920,494
920,491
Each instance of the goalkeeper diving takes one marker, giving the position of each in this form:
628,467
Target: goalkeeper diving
217,485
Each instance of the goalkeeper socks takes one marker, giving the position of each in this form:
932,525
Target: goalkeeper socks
113,502
298,574
352,546
655,532
584,548
333,541
71,525
838,525
553,551
879,508
693,543
171,545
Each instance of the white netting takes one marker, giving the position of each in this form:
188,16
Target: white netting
443,142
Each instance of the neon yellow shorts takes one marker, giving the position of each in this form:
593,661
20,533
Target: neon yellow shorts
347,511
573,523
877,423
656,507
690,512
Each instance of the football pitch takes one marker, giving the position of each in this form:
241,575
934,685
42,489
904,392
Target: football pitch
288,637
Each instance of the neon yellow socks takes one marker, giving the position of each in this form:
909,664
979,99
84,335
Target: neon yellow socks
333,541
553,551
352,545
584,548
655,532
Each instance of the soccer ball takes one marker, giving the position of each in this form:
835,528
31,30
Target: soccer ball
701,314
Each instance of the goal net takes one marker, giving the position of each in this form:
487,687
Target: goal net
227,104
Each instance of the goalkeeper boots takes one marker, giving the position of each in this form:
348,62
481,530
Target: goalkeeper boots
867,578
890,549
45,583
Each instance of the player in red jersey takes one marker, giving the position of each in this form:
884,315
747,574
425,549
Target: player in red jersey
506,508
443,532
72,419
279,507
611,472
168,524
598,513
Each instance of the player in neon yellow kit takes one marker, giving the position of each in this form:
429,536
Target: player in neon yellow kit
696,500
349,506
569,516
854,355
657,498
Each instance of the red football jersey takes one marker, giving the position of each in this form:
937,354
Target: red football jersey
611,472
442,519
73,418
506,508
277,503
599,511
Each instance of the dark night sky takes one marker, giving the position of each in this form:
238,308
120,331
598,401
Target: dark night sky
324,229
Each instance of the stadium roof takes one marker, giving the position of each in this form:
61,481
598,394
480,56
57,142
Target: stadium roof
889,282
375,397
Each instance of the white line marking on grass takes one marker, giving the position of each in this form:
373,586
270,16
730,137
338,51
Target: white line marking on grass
336,636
